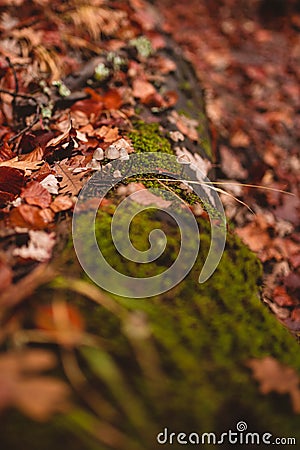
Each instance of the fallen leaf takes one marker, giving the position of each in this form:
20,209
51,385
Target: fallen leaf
35,194
108,134
170,99
281,297
34,156
28,216
200,165
254,236
37,396
61,203
231,165
142,89
112,99
289,210
51,184
239,139
11,180
185,125
27,166
274,376
70,183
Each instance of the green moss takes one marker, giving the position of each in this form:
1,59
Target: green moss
185,86
204,335
148,138
202,130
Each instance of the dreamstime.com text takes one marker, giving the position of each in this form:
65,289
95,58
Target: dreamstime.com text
238,437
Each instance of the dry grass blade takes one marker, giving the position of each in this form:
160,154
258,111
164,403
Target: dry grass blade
95,20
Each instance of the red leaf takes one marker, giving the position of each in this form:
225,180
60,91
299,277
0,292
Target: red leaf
11,180
5,197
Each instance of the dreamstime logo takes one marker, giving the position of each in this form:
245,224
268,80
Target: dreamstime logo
239,437
136,165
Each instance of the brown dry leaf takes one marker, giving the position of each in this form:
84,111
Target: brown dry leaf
201,165
274,376
70,183
108,134
34,156
61,203
35,194
28,216
27,166
185,125
38,397
231,165
254,236
164,65
142,89
239,139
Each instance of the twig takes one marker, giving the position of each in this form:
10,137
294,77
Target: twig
14,74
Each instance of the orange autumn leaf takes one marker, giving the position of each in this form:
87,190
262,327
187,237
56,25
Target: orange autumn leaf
112,99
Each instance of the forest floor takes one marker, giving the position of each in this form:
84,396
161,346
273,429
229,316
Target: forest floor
84,85
247,56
